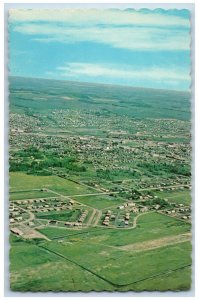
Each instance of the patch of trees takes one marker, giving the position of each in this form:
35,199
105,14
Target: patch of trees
161,202
120,174
34,161
158,168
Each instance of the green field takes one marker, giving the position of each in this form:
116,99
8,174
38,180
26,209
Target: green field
70,216
124,267
22,181
100,202
180,196
178,280
35,269
29,195
118,269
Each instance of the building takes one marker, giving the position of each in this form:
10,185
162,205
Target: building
16,230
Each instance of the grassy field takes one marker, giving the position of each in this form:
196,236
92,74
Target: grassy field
101,201
29,195
124,267
63,266
180,196
70,216
35,269
22,181
178,280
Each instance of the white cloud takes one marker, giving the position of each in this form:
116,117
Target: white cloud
80,70
122,37
96,16
120,29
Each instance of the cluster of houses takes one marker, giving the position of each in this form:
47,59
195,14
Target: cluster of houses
79,222
72,224
132,207
128,207
16,214
180,211
83,216
45,205
126,218
108,217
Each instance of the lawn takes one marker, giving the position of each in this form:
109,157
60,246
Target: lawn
99,201
69,216
22,181
35,269
178,280
21,195
180,196
123,267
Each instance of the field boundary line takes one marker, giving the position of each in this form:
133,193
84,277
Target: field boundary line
109,281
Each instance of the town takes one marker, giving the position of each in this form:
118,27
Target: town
87,175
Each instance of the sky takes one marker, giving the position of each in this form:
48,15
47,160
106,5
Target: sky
144,48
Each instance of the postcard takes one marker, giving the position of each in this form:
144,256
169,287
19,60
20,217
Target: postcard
100,149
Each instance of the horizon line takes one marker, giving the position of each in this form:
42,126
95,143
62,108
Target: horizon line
106,84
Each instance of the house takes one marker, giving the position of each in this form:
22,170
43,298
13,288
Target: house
67,224
52,222
131,204
181,209
121,207
16,230
157,206
105,223
135,209
144,209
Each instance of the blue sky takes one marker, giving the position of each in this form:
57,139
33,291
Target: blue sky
136,48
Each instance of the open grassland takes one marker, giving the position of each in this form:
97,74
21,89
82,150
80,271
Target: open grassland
35,269
180,196
99,201
122,267
178,280
22,181
60,216
32,194
63,266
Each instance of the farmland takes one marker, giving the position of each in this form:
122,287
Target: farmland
100,187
